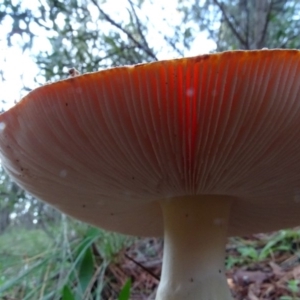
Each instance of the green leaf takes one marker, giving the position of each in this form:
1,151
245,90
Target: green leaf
67,294
86,270
293,285
248,251
80,252
125,292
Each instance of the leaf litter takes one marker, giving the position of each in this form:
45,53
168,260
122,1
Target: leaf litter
261,266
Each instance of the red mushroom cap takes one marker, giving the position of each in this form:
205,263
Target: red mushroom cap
104,147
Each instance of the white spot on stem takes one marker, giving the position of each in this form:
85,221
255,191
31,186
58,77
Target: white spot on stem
63,173
100,203
219,221
297,196
2,126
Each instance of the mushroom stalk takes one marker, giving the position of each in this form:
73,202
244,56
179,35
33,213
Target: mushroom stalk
194,248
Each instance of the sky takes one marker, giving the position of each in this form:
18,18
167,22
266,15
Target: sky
20,70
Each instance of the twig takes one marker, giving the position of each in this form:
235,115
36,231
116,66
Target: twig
172,44
139,27
141,266
235,32
264,31
129,35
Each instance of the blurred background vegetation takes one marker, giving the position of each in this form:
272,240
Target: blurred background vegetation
46,255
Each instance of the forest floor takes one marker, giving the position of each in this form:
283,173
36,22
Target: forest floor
258,267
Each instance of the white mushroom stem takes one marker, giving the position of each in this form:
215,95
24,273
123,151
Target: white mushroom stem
194,249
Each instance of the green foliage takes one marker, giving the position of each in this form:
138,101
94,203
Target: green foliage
247,24
293,287
67,294
71,267
125,292
255,252
23,275
86,270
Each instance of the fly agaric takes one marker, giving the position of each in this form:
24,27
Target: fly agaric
197,149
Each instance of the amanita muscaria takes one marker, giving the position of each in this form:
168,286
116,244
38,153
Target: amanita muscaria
195,149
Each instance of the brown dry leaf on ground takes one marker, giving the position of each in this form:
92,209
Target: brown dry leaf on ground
267,279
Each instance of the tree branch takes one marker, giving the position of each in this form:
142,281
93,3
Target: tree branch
172,44
229,23
247,25
139,28
264,31
129,35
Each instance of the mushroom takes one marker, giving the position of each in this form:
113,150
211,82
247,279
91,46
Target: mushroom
195,149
